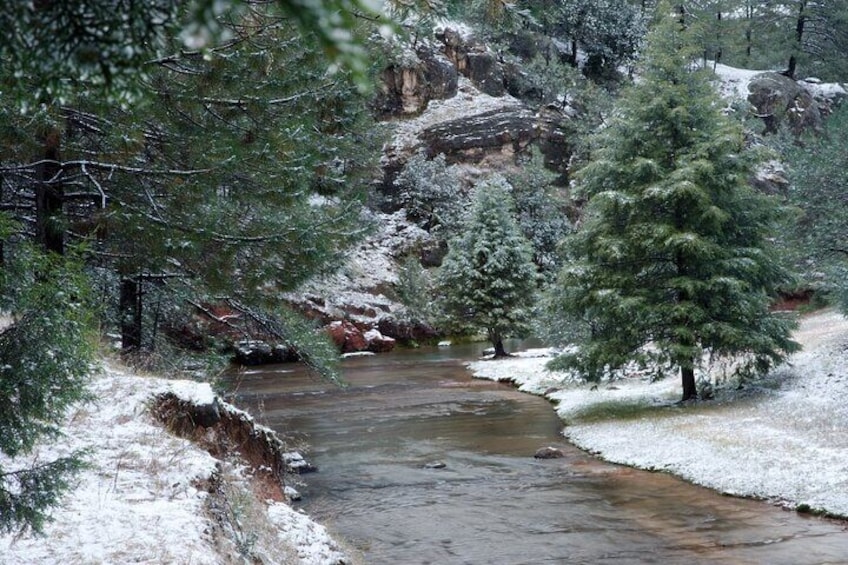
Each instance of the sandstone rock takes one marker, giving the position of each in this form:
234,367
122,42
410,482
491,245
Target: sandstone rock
473,60
347,337
405,330
377,342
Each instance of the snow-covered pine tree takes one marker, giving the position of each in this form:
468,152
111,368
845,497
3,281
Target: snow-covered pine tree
673,251
488,279
46,348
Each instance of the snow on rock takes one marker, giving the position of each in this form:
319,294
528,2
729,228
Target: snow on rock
733,84
783,442
143,499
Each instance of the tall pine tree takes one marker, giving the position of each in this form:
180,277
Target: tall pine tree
488,278
673,260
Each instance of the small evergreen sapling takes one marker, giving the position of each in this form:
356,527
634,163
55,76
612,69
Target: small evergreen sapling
488,279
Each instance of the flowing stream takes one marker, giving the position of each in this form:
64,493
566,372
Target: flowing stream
419,463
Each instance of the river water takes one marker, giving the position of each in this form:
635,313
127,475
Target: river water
419,463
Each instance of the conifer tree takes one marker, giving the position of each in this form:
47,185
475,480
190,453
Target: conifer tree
46,350
673,260
488,278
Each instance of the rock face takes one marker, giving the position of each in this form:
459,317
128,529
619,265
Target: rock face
473,60
505,131
780,100
408,86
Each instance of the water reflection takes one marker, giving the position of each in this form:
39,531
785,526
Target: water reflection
421,464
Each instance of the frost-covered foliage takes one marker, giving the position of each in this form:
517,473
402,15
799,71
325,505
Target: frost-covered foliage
49,48
673,260
414,289
430,191
45,354
609,32
542,212
818,242
488,280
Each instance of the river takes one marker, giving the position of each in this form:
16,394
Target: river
419,463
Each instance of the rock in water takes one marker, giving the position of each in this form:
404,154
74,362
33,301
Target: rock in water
549,453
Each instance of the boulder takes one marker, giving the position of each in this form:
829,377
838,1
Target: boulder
549,453
405,330
377,342
259,352
347,337
771,178
295,463
779,100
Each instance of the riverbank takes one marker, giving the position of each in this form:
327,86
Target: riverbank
781,439
149,496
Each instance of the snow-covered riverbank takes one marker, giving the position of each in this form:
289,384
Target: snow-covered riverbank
145,497
783,440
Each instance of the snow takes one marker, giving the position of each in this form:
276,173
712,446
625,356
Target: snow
142,499
734,81
734,84
782,440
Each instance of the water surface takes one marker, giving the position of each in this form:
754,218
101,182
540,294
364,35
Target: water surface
419,463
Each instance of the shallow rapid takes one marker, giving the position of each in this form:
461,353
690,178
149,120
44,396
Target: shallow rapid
419,463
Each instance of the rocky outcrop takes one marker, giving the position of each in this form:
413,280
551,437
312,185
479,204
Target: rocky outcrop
501,133
225,431
407,86
473,60
771,178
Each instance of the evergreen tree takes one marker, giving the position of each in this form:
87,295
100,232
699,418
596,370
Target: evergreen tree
817,241
488,279
672,261
46,349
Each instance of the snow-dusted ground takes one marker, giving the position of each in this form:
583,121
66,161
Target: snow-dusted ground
783,440
142,500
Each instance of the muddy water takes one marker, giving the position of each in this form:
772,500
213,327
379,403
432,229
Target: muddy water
419,463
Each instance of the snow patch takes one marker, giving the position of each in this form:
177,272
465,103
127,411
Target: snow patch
142,499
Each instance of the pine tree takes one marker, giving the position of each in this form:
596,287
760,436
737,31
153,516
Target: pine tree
488,279
672,261
46,349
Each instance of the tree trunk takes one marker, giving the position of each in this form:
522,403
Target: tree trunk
497,340
49,198
687,374
499,348
130,312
